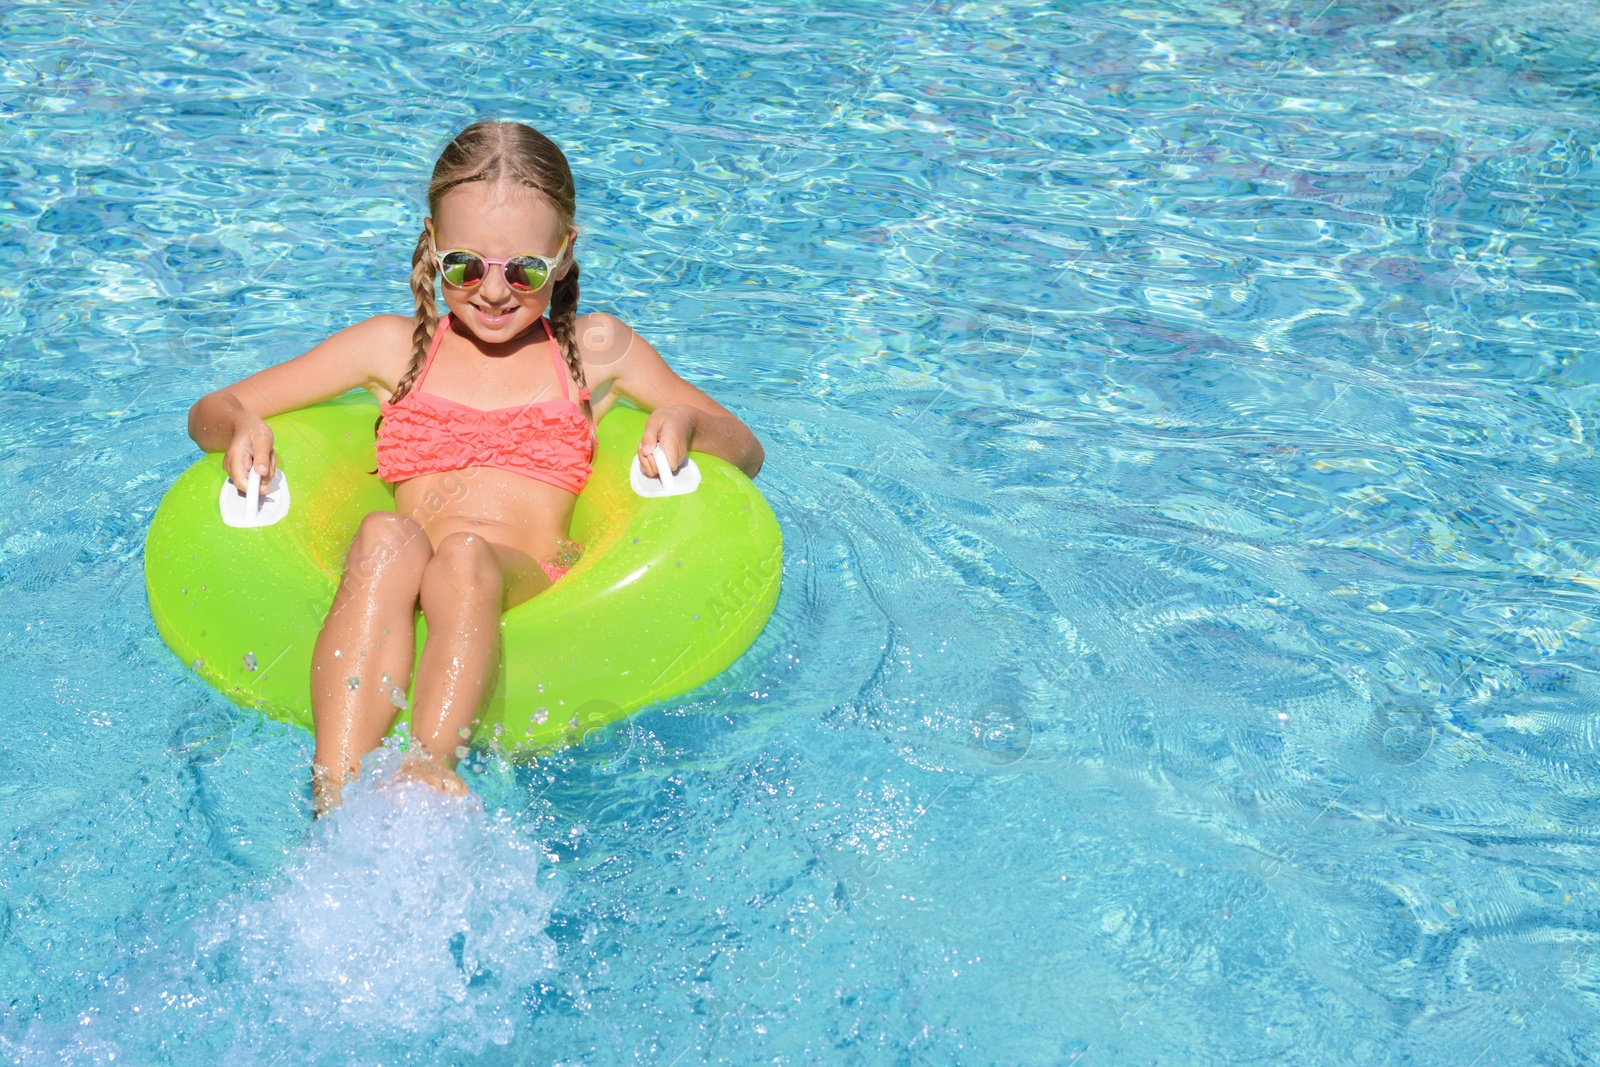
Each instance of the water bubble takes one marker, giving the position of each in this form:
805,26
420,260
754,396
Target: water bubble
397,697
386,678
540,715
338,653
464,733
352,683
461,752
249,661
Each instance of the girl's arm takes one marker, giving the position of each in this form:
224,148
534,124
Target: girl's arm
233,419
681,416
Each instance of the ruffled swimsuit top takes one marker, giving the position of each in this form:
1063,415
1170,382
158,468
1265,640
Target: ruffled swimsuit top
550,441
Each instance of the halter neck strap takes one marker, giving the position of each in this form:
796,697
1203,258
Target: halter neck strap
433,349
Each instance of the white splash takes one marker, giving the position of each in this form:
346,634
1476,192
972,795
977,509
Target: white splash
408,915
409,928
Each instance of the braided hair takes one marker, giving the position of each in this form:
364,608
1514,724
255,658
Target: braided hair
424,271
485,152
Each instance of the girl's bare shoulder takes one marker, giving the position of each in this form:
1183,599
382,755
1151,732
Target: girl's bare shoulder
385,342
595,330
391,331
604,342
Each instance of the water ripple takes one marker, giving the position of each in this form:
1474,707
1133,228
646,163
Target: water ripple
1183,421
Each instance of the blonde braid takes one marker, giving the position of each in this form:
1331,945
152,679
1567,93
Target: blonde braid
423,272
563,316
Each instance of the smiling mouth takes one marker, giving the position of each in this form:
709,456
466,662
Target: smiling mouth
494,313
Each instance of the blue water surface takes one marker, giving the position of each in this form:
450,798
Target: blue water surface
1182,416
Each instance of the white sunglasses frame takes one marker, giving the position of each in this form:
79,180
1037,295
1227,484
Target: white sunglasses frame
550,264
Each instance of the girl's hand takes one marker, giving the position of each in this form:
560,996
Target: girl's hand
251,447
672,429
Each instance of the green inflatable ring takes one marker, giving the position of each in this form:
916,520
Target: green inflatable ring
669,592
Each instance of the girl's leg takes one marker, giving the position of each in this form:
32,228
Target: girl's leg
466,585
370,632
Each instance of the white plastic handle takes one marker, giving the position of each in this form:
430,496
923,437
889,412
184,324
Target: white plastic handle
258,504
252,505
664,470
666,482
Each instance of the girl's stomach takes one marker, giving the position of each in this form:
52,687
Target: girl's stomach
505,507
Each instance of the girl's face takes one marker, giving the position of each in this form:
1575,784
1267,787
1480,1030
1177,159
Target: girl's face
499,220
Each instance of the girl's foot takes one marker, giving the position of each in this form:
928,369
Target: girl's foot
432,773
327,789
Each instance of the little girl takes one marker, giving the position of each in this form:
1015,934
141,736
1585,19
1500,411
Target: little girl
480,435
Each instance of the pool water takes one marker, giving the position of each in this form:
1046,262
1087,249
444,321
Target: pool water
1182,416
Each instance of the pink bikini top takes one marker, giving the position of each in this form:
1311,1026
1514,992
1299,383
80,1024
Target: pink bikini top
550,440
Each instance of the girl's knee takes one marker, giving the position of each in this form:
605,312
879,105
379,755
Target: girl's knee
461,563
384,539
